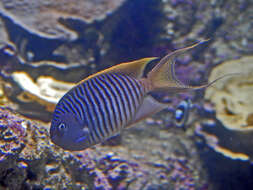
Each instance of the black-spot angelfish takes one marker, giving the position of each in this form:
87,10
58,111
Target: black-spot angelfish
103,104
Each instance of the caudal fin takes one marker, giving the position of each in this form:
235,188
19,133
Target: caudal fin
162,77
210,83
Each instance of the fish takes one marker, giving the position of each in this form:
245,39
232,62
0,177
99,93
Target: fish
181,113
105,103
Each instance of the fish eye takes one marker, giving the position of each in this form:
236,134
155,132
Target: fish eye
62,126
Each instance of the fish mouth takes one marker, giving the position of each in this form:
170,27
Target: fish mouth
83,136
80,139
53,137
55,140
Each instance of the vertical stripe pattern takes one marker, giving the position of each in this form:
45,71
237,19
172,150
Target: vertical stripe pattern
106,103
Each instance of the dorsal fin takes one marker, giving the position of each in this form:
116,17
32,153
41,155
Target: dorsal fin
134,68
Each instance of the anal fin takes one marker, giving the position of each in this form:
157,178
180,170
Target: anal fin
149,107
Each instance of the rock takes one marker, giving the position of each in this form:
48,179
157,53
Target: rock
3,34
46,18
38,29
29,160
227,154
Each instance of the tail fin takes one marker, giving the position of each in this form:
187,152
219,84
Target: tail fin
162,77
211,83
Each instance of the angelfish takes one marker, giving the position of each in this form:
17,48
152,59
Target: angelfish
105,103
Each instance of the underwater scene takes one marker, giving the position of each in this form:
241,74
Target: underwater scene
126,95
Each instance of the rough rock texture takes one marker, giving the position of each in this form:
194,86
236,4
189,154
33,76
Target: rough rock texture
28,160
46,18
39,28
3,34
225,22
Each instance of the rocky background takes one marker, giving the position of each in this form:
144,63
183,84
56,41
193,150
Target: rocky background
47,46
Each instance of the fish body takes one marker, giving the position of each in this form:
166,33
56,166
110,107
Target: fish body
105,103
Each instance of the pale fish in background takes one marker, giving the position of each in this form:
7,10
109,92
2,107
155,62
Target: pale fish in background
181,114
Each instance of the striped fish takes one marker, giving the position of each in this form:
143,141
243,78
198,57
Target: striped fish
105,103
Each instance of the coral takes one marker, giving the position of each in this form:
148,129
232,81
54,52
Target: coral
233,95
46,91
31,84
230,134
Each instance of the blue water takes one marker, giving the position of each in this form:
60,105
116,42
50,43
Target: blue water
135,30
